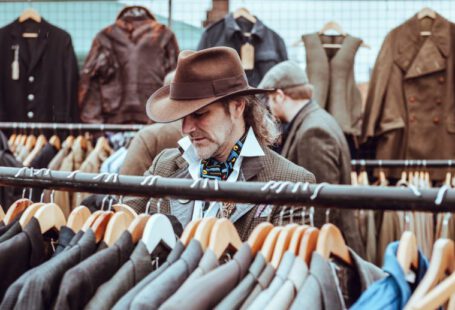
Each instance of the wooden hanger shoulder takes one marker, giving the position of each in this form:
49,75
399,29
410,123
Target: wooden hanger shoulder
100,224
2,214
29,213
331,242
203,231
125,208
158,230
190,231
137,226
269,243
91,220
407,253
15,209
223,235
308,244
50,216
282,244
296,239
117,225
78,217
258,236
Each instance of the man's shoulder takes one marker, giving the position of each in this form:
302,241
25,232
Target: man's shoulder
279,168
320,123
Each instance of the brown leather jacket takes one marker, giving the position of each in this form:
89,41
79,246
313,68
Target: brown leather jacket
126,64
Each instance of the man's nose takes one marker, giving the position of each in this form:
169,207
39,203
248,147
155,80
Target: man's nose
188,125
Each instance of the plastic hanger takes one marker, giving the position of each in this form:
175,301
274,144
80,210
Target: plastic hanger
331,242
50,216
203,231
158,230
2,214
308,244
243,12
442,262
438,296
137,226
78,217
91,220
223,236
118,224
29,213
99,226
258,236
296,239
189,231
407,253
282,244
125,208
15,209
269,243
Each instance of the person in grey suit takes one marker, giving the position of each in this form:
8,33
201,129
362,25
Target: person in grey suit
311,138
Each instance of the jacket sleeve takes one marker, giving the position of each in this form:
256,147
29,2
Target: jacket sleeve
171,51
72,80
282,51
138,159
377,89
204,42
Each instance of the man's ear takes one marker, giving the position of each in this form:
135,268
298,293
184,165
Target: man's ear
279,96
236,107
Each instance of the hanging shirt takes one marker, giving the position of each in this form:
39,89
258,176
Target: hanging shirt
251,148
393,291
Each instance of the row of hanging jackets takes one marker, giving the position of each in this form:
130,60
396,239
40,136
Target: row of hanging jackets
117,259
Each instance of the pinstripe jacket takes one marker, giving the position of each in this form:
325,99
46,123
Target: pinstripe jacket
272,166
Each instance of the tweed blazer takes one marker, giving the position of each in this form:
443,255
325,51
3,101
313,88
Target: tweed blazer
272,166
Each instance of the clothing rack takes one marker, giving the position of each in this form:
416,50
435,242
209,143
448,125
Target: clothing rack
72,126
403,163
278,193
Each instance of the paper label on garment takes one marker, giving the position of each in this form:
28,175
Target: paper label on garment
247,56
410,277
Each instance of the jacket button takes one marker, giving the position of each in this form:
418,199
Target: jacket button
441,79
31,79
436,120
30,114
412,99
31,97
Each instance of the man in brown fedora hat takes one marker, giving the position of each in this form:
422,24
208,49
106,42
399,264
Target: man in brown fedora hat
227,133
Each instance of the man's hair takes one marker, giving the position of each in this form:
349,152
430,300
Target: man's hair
299,92
258,118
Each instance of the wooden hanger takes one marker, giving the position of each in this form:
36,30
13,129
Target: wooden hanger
69,141
426,12
332,25
100,224
282,244
78,217
50,216
30,13
438,296
2,214
308,244
158,230
91,220
55,141
15,209
189,231
82,142
296,239
11,139
243,12
23,140
331,242
137,227
269,243
102,144
117,225
407,253
29,213
258,236
39,145
223,235
442,262
30,143
203,231
124,208
135,10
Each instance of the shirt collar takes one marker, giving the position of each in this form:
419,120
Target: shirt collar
251,148
232,27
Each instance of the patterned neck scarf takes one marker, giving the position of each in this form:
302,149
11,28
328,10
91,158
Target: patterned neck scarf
214,169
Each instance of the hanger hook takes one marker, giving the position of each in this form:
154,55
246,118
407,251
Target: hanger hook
103,202
111,200
42,197
283,186
441,193
291,214
216,185
43,172
73,174
283,209
147,207
267,186
120,199
407,221
21,170
52,196
318,189
312,216
205,183
195,183
100,176
158,205
303,215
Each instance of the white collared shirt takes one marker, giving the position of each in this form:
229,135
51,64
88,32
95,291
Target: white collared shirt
251,148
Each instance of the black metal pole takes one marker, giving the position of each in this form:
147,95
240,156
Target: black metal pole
403,163
72,126
284,193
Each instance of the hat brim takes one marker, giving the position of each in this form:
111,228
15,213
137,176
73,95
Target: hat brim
162,109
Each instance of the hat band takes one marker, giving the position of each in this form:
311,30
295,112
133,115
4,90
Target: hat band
215,88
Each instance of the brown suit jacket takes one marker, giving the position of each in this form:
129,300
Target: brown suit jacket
316,142
148,143
272,166
410,109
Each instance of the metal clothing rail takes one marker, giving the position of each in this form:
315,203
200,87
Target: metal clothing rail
403,163
278,193
72,126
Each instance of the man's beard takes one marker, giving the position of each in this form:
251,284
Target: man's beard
212,148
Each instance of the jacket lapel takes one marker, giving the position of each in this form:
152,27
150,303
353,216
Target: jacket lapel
37,53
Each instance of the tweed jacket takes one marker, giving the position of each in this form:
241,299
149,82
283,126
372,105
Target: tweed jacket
148,143
410,108
272,166
333,78
316,142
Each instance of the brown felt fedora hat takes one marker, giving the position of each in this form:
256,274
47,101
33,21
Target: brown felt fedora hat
201,78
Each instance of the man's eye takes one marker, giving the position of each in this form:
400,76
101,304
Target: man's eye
198,114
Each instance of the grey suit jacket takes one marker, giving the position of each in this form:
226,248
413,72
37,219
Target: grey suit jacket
207,291
127,299
272,166
156,292
316,142
320,290
80,282
140,264
264,280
